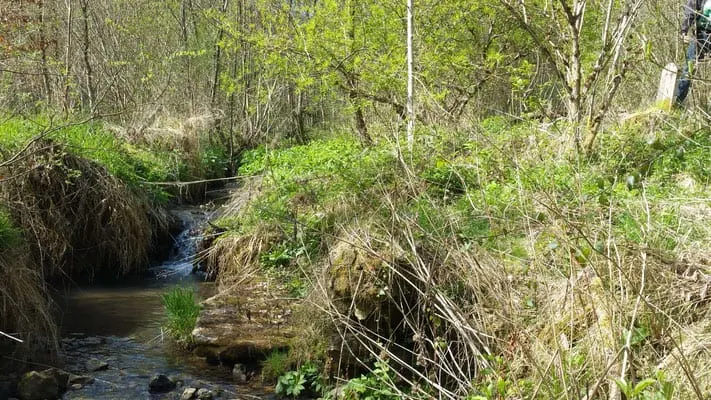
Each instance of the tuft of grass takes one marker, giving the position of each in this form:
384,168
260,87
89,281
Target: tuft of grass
274,366
182,309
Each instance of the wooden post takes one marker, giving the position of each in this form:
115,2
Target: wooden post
667,84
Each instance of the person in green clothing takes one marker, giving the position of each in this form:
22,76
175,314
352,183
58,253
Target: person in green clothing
696,31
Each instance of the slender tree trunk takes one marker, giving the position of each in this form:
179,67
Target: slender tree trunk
361,125
43,45
410,108
232,102
184,24
218,54
91,94
575,82
67,57
246,74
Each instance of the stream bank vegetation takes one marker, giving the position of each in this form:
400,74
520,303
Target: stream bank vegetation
499,263
79,203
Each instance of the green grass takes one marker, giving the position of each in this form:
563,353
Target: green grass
182,309
135,165
9,234
305,188
322,171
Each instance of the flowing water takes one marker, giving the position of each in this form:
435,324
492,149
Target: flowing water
121,325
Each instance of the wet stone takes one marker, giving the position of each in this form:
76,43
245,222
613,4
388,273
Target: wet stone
205,394
80,380
239,372
188,393
60,376
161,383
77,386
93,365
38,386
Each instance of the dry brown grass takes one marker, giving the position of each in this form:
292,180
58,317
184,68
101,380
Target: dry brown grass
552,325
25,309
232,258
77,217
77,221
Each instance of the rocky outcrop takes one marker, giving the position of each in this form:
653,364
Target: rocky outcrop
250,317
47,384
245,325
38,386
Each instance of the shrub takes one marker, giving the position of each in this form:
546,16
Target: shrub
182,309
305,380
378,384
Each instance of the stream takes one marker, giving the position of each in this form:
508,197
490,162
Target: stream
120,325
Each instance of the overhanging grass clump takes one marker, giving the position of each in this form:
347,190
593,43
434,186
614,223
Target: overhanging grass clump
76,202
182,309
77,216
133,165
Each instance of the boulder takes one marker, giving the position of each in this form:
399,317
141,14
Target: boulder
245,326
160,384
38,386
93,365
61,376
205,394
239,372
188,393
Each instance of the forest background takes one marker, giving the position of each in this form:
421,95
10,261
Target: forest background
541,238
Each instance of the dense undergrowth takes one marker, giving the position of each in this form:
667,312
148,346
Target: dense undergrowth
78,202
494,262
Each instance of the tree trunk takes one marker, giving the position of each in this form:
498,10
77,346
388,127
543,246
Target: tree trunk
361,126
67,57
410,108
43,46
91,93
218,54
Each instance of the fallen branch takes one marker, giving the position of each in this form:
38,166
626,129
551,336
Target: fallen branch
11,337
181,183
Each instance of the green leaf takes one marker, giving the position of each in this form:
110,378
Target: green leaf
642,385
